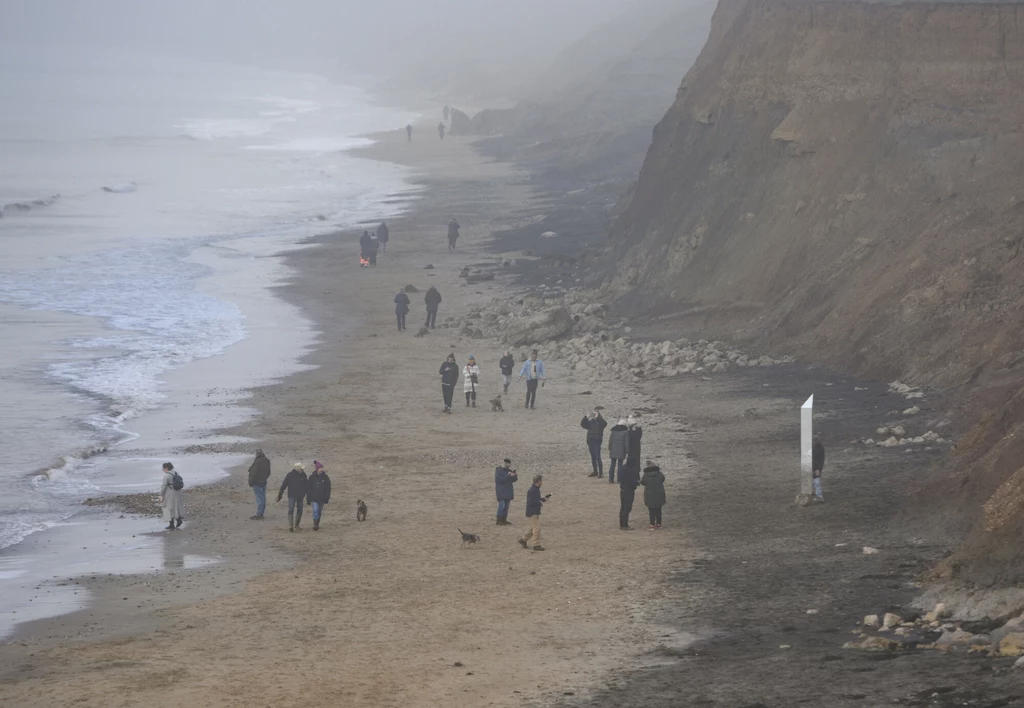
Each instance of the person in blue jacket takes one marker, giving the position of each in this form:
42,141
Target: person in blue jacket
533,372
504,478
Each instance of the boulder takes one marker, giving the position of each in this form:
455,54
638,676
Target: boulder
869,551
913,410
875,644
423,332
539,328
1012,644
871,621
899,431
890,620
891,442
411,289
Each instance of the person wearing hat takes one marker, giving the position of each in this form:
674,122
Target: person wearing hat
618,448
449,377
504,478
296,483
401,308
470,380
318,492
259,473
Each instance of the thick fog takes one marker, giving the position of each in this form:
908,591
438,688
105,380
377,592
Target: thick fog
379,37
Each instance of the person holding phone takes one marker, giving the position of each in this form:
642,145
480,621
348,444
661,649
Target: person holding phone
470,380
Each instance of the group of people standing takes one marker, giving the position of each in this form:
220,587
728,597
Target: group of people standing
432,300
312,490
372,243
532,371
624,447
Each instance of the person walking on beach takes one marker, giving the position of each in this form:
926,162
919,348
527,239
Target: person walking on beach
507,365
318,493
170,497
449,376
504,479
296,482
401,308
440,130
534,502
364,246
533,371
259,473
470,380
618,448
433,301
408,131
817,467
374,247
453,233
654,493
595,424
629,480
382,237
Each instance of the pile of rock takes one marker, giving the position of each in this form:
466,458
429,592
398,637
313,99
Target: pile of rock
906,390
897,436
934,630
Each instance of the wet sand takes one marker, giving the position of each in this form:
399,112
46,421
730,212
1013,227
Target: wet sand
391,611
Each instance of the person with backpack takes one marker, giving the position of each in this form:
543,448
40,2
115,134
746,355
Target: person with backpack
618,448
318,493
401,308
654,493
259,473
507,366
471,379
595,424
432,300
170,497
382,236
449,377
296,483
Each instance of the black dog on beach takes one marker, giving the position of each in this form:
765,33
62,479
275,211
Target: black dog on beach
469,538
360,510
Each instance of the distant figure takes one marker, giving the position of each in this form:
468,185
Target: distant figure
408,131
440,130
259,473
401,309
433,301
629,480
170,497
449,376
445,112
618,448
507,365
453,234
364,246
534,502
296,483
471,379
595,424
374,247
654,493
504,478
533,371
818,466
382,236
318,493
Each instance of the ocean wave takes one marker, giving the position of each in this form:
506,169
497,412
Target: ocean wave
315,145
220,128
14,207
125,188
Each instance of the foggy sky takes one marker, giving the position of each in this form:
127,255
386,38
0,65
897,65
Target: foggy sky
370,36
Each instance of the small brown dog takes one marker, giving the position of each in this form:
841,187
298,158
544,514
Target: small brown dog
360,510
496,405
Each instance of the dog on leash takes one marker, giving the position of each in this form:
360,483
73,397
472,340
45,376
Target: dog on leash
469,538
496,405
360,510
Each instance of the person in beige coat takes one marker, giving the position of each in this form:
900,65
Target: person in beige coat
170,498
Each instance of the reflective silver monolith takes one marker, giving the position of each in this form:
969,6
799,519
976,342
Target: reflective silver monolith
806,442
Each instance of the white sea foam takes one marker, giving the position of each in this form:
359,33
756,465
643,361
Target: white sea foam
315,145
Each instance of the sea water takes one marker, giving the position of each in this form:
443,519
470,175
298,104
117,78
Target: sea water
144,199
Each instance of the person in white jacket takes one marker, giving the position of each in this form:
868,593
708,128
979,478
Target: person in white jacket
471,380
170,498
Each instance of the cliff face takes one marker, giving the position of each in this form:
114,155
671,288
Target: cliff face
842,181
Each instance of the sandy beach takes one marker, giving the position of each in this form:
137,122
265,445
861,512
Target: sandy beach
391,611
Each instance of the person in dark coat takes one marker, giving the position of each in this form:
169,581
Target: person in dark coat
259,473
618,448
817,467
449,377
318,492
364,246
296,483
408,131
432,300
440,130
507,366
504,479
453,234
534,502
382,237
654,493
373,249
595,424
636,433
401,309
